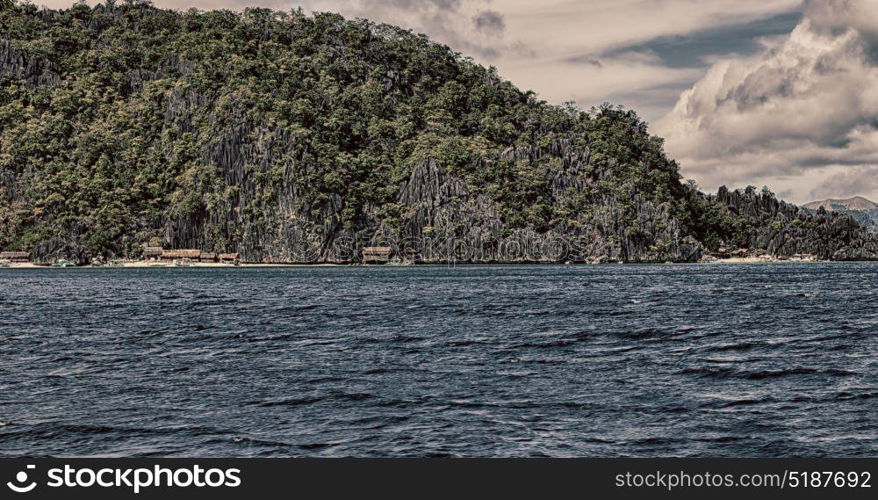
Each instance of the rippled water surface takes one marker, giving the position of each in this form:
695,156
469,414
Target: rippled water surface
701,360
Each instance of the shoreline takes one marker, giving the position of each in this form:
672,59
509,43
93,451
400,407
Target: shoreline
213,265
160,265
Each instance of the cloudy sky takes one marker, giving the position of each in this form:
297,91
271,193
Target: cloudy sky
781,93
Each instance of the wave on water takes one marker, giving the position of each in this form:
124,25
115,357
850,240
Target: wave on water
429,361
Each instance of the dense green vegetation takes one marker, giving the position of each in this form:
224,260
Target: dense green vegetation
124,124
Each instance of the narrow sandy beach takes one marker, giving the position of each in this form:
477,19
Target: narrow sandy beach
152,264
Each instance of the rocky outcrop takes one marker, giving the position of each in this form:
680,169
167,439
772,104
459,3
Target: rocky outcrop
784,230
26,69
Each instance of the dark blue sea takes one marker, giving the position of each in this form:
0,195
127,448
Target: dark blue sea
768,360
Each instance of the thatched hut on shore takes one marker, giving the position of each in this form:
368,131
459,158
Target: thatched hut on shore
181,254
376,255
152,253
15,256
228,258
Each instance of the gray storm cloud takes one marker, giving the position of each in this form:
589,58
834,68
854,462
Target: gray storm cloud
802,116
489,21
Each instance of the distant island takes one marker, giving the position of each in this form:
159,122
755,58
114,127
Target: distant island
281,137
861,209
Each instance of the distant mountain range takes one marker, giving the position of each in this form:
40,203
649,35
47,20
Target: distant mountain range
863,210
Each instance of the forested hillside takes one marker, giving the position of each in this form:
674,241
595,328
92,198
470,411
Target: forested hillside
286,136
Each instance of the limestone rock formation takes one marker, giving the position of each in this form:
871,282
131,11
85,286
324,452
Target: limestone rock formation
293,138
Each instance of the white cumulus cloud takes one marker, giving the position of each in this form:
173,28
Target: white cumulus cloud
801,117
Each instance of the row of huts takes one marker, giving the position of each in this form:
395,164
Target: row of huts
371,255
159,253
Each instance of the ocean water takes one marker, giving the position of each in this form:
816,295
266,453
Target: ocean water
769,360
